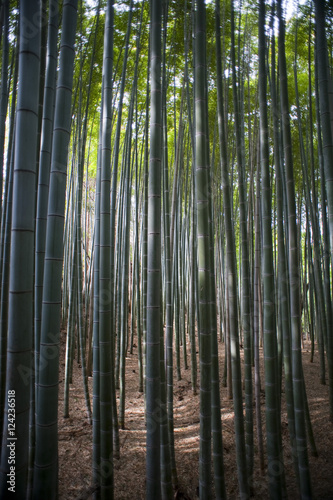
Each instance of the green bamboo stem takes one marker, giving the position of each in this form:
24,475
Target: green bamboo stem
327,141
305,480
203,204
45,474
275,460
231,277
153,399
6,221
4,89
44,171
168,264
20,298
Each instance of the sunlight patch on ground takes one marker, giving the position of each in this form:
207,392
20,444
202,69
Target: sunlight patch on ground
187,438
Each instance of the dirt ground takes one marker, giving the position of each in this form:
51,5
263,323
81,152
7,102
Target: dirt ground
75,439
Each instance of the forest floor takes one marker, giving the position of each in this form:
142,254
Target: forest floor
75,439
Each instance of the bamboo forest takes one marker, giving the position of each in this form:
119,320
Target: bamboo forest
166,246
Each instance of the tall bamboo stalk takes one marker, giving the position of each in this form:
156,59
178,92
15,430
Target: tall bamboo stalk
46,458
231,283
153,398
294,272
203,204
274,456
19,369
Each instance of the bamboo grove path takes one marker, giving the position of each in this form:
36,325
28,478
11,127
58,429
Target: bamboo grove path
75,439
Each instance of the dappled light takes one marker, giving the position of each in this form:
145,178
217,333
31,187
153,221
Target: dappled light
130,468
